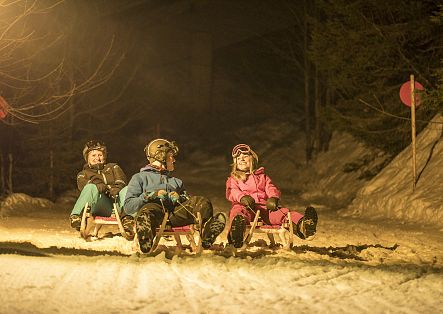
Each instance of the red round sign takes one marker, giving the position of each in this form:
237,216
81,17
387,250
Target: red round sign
3,108
405,93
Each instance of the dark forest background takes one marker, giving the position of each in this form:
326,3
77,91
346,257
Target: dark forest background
126,72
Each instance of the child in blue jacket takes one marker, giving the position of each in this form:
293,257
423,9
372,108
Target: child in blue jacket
154,190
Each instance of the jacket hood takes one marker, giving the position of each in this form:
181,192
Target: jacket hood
153,169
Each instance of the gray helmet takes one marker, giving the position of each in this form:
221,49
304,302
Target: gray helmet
94,145
157,149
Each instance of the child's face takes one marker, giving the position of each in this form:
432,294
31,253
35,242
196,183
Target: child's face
95,157
243,162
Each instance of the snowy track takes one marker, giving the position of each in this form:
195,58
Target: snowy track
213,285
350,267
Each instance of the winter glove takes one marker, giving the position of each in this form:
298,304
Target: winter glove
248,201
113,192
150,196
272,204
96,179
184,197
101,187
174,197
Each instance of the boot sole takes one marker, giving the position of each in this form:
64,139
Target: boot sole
238,229
213,228
311,214
144,237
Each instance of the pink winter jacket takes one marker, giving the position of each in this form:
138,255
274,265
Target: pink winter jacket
258,185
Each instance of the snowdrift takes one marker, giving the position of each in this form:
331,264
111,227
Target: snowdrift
390,193
335,176
20,204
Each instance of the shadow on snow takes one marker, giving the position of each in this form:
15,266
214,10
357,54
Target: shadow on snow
29,249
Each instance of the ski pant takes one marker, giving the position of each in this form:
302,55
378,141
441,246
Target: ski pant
277,217
100,203
183,214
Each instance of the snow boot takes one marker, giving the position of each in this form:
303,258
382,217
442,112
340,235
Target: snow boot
307,226
128,225
212,229
237,232
144,232
76,221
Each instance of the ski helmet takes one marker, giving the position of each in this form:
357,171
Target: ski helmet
157,149
94,145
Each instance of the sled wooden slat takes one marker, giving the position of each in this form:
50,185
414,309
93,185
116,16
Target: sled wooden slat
281,230
90,223
176,232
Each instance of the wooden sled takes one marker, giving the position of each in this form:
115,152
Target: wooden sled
94,224
282,231
188,231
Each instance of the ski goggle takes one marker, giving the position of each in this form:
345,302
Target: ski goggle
243,149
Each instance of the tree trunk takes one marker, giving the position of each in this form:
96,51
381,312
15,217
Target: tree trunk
306,78
2,175
317,113
71,120
326,134
51,174
10,187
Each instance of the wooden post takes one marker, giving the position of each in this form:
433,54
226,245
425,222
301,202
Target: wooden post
414,170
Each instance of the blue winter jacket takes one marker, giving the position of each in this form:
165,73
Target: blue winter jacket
149,179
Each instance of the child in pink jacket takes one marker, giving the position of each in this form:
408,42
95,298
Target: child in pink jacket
250,189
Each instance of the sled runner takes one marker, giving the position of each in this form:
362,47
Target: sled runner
94,224
282,231
164,230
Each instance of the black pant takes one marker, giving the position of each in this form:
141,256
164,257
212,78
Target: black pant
183,214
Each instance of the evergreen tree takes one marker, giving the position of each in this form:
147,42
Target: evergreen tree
369,48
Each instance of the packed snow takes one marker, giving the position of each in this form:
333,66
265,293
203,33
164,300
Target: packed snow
381,254
390,194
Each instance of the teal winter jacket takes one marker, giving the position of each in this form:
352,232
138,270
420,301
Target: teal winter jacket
150,179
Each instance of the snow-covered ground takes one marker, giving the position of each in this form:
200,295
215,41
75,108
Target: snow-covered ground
352,266
365,260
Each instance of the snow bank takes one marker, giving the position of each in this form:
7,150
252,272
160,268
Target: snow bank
20,204
335,176
390,193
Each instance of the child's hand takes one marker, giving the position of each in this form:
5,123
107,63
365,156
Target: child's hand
101,187
161,194
272,204
174,197
248,201
113,192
